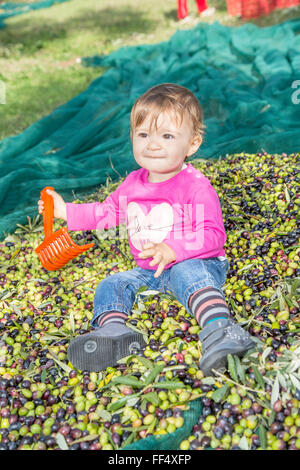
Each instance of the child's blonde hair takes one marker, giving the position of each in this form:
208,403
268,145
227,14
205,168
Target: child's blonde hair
168,97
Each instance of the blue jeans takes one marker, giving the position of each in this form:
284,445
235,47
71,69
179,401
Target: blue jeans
117,292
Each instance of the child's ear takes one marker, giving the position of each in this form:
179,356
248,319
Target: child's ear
195,144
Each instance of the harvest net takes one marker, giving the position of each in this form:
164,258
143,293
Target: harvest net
243,77
7,9
171,441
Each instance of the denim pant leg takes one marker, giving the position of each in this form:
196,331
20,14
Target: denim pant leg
116,293
190,275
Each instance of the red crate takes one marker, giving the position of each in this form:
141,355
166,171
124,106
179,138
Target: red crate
234,7
256,8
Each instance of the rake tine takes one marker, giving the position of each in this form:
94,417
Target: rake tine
77,247
62,253
55,258
46,262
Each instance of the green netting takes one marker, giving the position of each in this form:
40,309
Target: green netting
13,9
242,76
171,441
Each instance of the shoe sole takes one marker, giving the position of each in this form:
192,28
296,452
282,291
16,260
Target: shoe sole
107,351
218,360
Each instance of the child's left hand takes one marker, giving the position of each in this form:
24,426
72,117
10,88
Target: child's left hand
162,255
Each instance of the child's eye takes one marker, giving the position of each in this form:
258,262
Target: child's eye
168,136
143,134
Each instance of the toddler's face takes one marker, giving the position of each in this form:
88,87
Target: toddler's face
162,150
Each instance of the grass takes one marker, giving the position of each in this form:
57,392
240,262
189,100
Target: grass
38,50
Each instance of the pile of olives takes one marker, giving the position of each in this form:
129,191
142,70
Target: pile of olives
45,403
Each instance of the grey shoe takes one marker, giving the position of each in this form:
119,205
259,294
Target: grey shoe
219,338
103,347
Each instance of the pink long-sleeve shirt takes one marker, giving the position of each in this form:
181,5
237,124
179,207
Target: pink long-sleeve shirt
183,212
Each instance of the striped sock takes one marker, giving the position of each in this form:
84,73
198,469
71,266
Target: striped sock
111,317
208,304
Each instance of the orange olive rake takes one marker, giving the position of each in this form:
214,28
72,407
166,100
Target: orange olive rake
58,248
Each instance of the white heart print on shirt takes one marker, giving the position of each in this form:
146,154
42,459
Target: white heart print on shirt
152,227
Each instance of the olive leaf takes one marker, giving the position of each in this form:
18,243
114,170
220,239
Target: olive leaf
288,301
152,426
152,397
72,322
153,374
43,375
17,325
243,444
143,332
110,439
179,367
126,359
232,367
120,403
275,391
16,309
15,253
219,394
282,380
168,385
133,399
104,414
271,418
265,354
233,305
129,439
167,296
208,380
240,369
149,292
7,293
171,340
137,429
262,434
90,289
64,366
258,377
89,437
294,381
143,405
145,362
287,196
246,268
295,287
12,238
127,380
141,289
61,442
282,303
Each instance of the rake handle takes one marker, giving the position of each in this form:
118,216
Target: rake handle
48,211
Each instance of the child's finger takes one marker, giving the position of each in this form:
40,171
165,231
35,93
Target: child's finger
156,259
147,253
160,269
148,245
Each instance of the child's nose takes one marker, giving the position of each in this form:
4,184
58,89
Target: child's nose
153,143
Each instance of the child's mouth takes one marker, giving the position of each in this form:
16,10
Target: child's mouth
154,158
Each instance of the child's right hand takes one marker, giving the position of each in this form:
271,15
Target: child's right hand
60,208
